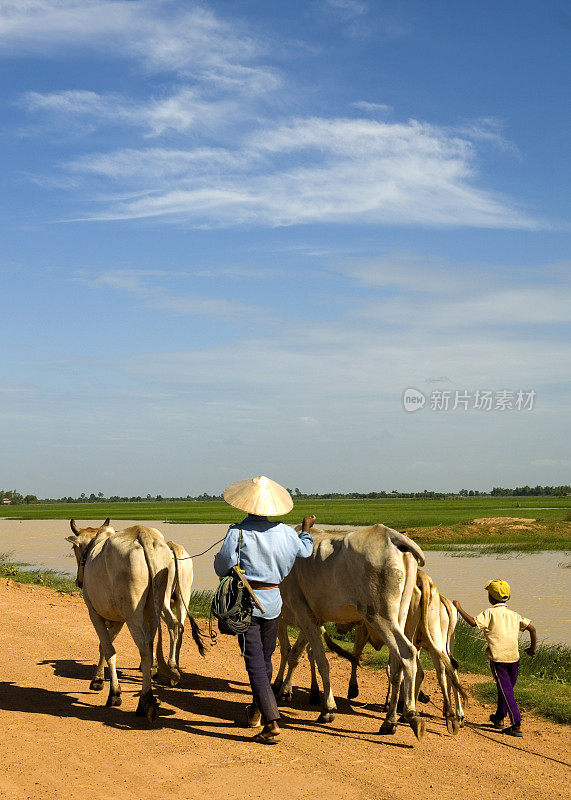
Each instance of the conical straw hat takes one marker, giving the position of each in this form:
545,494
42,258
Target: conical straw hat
260,496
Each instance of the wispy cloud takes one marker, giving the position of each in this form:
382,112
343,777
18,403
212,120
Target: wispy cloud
431,294
182,110
309,170
188,39
363,20
372,108
151,287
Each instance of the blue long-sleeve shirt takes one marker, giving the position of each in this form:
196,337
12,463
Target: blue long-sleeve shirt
267,554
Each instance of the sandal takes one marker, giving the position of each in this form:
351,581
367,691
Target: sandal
513,730
264,738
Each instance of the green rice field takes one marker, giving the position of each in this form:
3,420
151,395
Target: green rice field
392,512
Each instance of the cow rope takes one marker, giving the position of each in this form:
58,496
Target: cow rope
197,555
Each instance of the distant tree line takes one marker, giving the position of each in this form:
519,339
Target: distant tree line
532,491
16,498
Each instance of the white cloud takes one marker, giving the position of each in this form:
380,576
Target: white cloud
183,110
152,288
428,293
310,170
373,108
189,39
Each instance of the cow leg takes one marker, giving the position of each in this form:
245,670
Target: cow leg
107,631
447,710
361,638
314,698
313,635
419,678
402,657
98,679
293,659
148,704
174,629
285,649
457,698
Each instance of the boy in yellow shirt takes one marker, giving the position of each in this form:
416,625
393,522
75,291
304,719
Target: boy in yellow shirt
501,626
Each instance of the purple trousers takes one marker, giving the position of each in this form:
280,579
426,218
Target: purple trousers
505,676
258,645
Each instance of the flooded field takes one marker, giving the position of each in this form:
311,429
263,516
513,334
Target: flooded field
541,582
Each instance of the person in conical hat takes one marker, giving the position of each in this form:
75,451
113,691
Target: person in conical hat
501,626
268,551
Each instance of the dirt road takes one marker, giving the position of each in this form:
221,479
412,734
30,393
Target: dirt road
59,741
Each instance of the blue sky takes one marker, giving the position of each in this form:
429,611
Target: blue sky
234,233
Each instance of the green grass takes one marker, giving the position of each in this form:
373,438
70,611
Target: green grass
435,524
395,513
53,579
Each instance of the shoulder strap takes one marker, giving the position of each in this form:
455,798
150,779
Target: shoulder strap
239,547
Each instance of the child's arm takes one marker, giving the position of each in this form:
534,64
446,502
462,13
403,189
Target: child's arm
532,649
464,614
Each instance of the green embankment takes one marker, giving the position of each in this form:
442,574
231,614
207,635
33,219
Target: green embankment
435,524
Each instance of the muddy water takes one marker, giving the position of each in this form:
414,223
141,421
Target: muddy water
541,582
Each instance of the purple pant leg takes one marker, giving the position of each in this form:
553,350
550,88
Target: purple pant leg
505,676
258,645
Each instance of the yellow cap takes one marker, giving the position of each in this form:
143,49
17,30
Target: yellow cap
500,590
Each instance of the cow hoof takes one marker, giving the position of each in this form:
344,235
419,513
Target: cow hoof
452,725
114,699
326,716
461,722
423,698
276,687
418,726
96,685
314,698
286,696
148,707
353,691
388,728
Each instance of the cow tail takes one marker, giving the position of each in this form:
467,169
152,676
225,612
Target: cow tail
406,545
156,598
337,649
451,625
197,634
425,586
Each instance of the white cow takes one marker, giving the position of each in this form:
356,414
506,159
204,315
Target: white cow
366,575
430,624
124,576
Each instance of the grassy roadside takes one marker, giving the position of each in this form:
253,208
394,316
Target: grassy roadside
543,687
24,573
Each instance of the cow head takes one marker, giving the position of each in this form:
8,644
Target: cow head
82,537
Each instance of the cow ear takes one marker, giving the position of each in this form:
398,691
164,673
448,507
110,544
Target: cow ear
72,539
74,527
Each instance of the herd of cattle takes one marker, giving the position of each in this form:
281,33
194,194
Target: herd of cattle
369,579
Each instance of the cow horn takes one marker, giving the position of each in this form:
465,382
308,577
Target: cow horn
74,527
106,523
